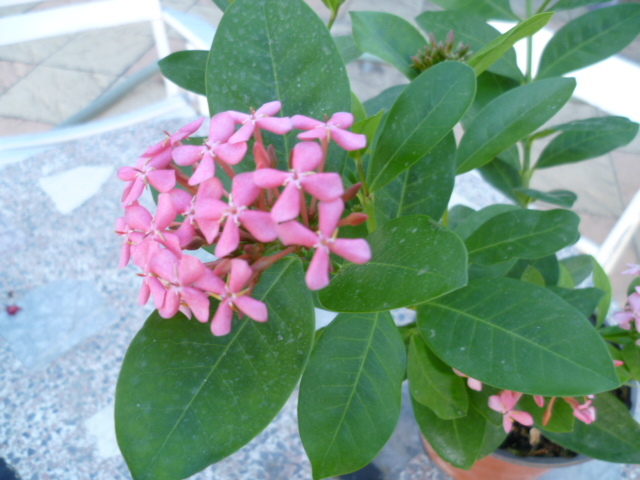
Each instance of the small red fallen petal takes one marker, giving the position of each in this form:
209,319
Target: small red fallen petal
13,309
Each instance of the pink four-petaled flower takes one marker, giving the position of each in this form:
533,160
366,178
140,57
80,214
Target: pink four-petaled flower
504,403
324,242
631,313
262,118
334,128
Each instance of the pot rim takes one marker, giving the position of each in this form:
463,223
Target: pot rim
540,462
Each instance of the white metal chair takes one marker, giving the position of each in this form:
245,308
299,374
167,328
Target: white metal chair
93,15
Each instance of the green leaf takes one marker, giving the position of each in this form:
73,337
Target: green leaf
489,87
457,441
586,139
413,260
517,336
389,37
561,420
458,214
548,267
613,437
476,219
601,281
522,233
585,300
471,30
422,115
486,9
186,399
367,127
480,401
563,198
223,4
384,100
631,358
424,188
493,438
503,177
262,53
579,267
532,275
350,394
509,118
569,4
347,48
433,383
186,69
494,50
359,113
589,39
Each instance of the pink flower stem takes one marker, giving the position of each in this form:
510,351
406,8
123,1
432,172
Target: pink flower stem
548,412
183,180
303,208
263,263
228,169
257,134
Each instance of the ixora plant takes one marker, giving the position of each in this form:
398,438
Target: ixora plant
302,196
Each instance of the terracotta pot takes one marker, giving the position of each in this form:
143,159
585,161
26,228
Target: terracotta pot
502,465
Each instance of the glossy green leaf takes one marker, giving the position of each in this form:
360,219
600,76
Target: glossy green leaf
509,118
413,260
579,267
522,233
494,50
589,39
350,394
457,441
585,300
489,87
367,127
517,336
476,219
532,275
470,30
562,419
494,436
358,111
587,139
347,48
480,401
223,4
548,267
424,188
456,215
433,383
497,270
503,177
424,113
389,37
631,357
262,53
486,9
384,100
186,399
565,280
562,198
186,69
613,437
601,280
570,4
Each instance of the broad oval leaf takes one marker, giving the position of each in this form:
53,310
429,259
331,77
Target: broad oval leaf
414,259
424,188
389,37
471,30
426,110
458,441
585,300
522,233
186,69
486,9
350,394
384,100
509,118
613,437
562,198
476,219
589,39
195,398
262,52
433,383
601,280
518,336
586,139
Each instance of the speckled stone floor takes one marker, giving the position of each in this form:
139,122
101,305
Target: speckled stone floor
61,353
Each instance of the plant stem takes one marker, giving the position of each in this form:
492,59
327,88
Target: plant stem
529,73
334,15
543,6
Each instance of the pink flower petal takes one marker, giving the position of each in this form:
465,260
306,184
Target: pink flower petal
209,228
221,127
206,169
277,125
495,403
315,134
231,153
523,418
210,189
187,130
252,308
221,323
293,233
355,250
539,400
348,140
507,423
330,213
341,120
301,122
188,154
287,207
474,384
260,224
128,174
240,274
171,304
137,217
166,212
244,189
162,180
306,156
198,303
181,200
270,177
269,109
317,276
186,233
210,282
229,240
190,270
323,186
244,133
164,264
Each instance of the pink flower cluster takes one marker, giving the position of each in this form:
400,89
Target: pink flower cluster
266,210
631,312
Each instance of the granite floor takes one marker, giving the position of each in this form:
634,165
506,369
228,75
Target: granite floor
60,354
